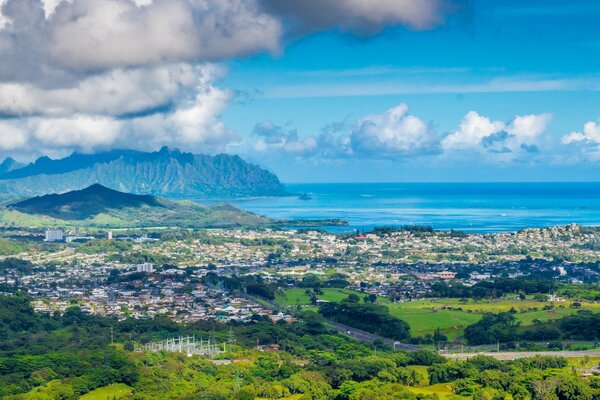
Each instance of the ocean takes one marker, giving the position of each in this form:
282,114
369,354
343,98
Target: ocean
468,207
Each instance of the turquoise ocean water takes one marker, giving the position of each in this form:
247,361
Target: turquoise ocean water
469,207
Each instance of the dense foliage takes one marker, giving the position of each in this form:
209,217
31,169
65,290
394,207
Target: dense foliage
373,318
63,357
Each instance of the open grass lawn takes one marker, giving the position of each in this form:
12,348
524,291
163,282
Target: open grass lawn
295,296
425,316
118,391
527,318
427,319
443,390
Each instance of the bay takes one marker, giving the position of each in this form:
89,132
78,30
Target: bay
468,207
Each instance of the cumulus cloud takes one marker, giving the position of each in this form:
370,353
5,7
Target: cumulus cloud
391,135
477,133
364,17
583,144
116,92
88,74
194,123
590,134
90,35
394,133
70,36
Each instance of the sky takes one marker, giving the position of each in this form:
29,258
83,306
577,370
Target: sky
313,90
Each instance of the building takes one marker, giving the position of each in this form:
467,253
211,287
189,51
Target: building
145,267
445,275
54,235
109,235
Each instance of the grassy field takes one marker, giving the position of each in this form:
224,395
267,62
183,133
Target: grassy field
443,390
295,296
423,320
452,316
116,391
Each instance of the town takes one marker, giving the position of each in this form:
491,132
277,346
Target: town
187,275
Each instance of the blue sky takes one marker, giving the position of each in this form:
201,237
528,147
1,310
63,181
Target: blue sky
316,91
499,58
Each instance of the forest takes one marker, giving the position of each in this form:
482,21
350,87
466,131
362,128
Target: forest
74,355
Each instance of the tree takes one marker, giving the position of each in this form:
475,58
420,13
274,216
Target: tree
544,389
492,328
570,387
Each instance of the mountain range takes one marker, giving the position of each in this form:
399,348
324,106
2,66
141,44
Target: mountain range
168,172
100,207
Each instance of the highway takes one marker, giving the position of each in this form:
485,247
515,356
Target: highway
368,337
514,355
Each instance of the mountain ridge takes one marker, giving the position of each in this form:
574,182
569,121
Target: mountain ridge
167,173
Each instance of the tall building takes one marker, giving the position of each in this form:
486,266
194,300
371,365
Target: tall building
54,235
109,235
145,267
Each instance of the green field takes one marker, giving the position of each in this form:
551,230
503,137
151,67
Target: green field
423,318
116,391
452,316
442,390
297,296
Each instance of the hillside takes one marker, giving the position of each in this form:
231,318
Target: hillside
168,173
98,206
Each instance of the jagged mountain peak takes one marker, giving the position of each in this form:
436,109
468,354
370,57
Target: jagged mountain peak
167,172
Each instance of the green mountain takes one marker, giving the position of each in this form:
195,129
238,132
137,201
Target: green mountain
167,173
100,207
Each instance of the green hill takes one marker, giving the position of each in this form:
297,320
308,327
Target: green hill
98,206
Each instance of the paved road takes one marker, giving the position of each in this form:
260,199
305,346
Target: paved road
368,337
513,355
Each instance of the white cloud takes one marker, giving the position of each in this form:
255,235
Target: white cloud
82,132
194,123
528,128
390,135
116,92
12,137
165,30
582,145
591,133
63,37
472,130
394,133
90,74
482,135
68,38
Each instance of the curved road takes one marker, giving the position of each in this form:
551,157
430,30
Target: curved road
364,336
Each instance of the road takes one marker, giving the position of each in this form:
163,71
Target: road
358,334
513,355
368,337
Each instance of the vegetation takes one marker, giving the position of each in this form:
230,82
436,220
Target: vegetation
70,357
370,317
166,172
100,207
